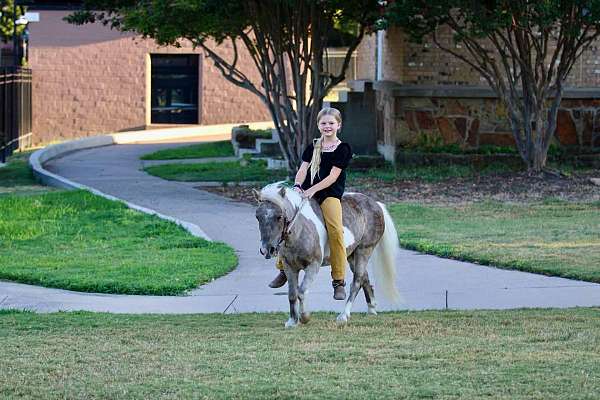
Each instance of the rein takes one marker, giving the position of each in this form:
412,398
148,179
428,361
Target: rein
287,227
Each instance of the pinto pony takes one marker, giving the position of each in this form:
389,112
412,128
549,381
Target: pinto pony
294,229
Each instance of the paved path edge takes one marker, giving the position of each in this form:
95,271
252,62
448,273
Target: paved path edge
50,179
39,157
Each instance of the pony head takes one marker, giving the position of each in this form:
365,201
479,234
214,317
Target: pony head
275,210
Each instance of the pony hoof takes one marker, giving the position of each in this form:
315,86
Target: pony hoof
290,323
342,319
304,318
372,310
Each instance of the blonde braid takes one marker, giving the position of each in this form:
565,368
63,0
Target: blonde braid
315,162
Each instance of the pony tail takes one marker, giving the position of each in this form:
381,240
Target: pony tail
383,260
316,159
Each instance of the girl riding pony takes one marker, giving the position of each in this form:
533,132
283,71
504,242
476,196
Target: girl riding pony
322,175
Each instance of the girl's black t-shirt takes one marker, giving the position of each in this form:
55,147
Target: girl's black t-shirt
340,158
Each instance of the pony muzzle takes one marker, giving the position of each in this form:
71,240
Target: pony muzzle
268,252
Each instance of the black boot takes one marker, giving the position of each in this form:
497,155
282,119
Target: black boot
338,289
279,280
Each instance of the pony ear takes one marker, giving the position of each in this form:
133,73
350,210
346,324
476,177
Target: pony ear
282,191
256,195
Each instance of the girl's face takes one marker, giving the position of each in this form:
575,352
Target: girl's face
329,126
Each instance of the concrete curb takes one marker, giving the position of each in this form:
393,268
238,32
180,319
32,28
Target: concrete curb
39,157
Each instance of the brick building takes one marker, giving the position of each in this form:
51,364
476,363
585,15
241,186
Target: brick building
90,79
424,94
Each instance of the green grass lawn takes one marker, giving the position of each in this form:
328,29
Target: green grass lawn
202,150
553,238
255,171
17,179
79,241
16,174
522,354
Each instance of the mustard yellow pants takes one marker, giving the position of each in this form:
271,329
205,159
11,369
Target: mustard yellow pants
332,213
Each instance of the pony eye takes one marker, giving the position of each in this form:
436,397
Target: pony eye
279,218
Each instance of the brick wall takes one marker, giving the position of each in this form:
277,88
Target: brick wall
365,56
223,102
394,54
89,79
425,64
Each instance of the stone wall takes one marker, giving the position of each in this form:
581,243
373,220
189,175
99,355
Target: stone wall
89,79
472,117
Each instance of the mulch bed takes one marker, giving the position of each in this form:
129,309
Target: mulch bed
506,187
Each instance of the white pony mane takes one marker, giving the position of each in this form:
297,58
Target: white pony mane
271,193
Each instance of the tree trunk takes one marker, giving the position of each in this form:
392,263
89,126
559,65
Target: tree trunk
533,113
537,162
531,145
533,140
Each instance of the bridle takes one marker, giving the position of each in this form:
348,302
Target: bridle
287,226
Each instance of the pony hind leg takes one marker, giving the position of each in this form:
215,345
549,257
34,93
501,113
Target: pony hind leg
359,264
366,287
369,295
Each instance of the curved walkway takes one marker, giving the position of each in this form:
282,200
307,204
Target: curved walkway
426,282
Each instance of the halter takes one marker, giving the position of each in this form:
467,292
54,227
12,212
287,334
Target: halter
287,226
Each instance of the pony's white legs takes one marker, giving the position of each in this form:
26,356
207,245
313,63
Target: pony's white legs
309,277
292,277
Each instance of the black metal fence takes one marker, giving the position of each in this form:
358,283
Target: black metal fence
15,110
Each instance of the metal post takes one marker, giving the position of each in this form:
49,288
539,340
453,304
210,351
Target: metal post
14,22
446,299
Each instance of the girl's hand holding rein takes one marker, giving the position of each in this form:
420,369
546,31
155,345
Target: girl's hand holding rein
298,188
308,193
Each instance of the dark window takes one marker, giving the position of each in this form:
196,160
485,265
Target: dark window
174,88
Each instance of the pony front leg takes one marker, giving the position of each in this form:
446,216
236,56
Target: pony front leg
309,277
292,277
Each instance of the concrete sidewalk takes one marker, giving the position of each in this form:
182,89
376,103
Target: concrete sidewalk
426,282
